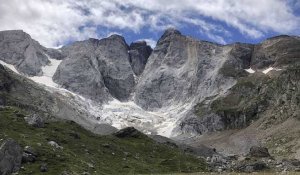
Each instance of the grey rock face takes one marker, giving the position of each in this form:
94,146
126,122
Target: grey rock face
139,53
78,74
104,66
239,59
181,70
254,95
54,53
19,49
114,66
207,123
10,157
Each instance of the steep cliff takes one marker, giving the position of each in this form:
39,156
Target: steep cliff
27,55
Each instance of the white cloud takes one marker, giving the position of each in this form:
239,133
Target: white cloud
53,22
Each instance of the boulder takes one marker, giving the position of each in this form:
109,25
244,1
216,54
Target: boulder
257,151
44,167
35,121
30,150
55,145
29,155
10,157
28,158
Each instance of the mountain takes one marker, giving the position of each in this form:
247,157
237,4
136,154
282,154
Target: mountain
227,97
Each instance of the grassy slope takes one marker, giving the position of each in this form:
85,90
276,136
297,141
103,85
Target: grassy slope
107,154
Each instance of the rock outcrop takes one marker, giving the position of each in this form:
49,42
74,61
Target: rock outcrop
253,94
106,64
27,55
10,157
182,70
139,53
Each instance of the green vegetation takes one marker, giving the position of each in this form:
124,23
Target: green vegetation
84,151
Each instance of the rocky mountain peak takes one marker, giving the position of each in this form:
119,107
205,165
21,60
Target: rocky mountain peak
19,49
14,35
169,33
116,37
139,53
93,40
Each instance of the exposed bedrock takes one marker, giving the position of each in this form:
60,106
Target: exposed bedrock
27,55
101,69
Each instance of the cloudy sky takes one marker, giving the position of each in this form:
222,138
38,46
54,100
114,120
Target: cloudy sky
59,22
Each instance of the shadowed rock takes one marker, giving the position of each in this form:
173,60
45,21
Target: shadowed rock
256,151
10,157
139,53
128,132
19,49
97,69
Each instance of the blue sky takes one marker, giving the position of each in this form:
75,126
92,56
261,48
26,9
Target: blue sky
56,22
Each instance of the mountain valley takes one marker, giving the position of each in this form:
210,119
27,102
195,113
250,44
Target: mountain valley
195,106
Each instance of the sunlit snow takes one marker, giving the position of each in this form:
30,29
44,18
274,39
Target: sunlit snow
11,67
48,72
250,70
269,69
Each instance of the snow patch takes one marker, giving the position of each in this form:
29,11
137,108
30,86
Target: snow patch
267,70
10,66
48,72
125,114
250,70
271,68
